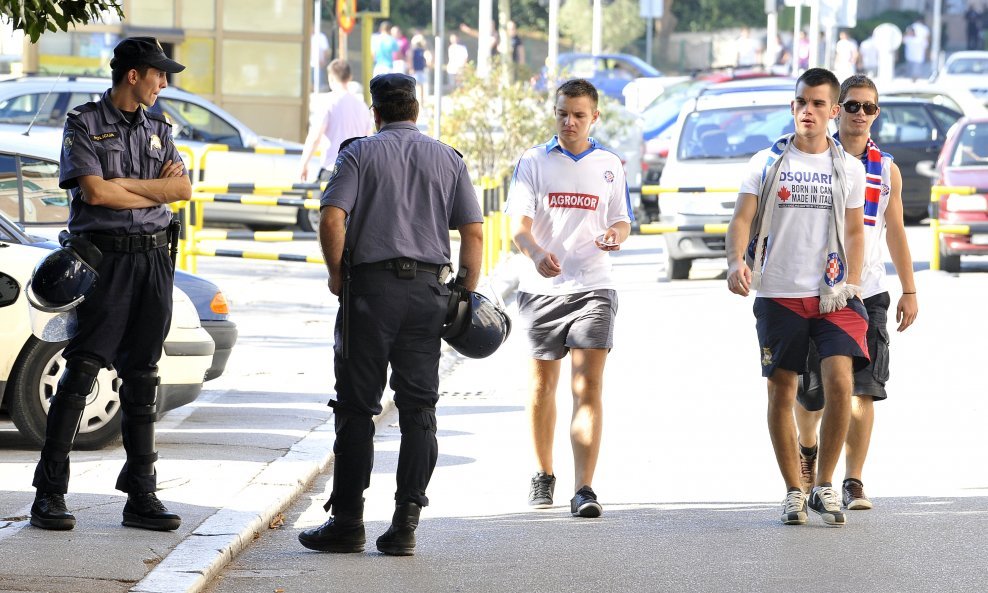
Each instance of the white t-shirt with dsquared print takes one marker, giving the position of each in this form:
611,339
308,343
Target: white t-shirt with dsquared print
795,257
572,199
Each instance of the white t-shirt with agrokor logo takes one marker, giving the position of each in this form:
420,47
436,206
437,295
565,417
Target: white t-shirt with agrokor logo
796,255
572,199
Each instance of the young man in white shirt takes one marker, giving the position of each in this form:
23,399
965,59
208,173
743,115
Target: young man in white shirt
883,216
797,237
569,205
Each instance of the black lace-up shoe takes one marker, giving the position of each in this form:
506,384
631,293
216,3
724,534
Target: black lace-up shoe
49,512
585,504
338,535
145,511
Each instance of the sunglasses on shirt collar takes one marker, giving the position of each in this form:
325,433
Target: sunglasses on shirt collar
854,106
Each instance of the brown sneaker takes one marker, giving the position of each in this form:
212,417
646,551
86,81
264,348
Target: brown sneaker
854,495
807,470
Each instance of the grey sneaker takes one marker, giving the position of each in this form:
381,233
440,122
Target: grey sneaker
824,502
854,495
540,494
794,508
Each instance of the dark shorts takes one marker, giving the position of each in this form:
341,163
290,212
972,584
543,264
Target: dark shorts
787,326
555,324
869,381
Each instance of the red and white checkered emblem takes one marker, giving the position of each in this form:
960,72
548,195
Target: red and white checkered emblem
834,271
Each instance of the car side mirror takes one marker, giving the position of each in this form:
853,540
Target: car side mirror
927,169
9,290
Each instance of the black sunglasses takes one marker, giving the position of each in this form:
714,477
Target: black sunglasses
854,106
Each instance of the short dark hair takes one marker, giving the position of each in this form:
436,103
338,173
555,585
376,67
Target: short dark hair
578,87
340,69
117,74
402,109
857,81
820,76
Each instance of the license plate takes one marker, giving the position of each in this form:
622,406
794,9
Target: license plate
979,239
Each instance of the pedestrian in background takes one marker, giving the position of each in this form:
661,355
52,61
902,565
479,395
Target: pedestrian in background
383,48
399,59
384,231
420,59
972,19
122,168
914,48
882,216
456,61
845,56
797,238
570,207
346,116
748,50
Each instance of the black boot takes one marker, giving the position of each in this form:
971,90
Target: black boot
399,539
49,512
145,511
343,533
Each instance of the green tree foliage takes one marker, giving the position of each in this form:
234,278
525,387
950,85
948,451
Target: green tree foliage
35,17
622,25
492,123
712,15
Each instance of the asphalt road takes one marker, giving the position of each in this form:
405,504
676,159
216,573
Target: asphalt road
687,477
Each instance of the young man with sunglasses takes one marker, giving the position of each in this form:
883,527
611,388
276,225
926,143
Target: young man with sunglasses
882,215
799,216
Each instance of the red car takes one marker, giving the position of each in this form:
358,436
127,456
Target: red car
964,162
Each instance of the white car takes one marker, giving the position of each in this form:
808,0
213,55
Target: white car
967,69
30,369
950,96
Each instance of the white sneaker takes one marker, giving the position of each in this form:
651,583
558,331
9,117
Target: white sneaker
825,502
794,508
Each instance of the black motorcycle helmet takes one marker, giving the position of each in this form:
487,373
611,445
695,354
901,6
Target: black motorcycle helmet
479,328
60,283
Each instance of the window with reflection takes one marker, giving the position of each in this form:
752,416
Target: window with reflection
44,201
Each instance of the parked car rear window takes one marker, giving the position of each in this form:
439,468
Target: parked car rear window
736,133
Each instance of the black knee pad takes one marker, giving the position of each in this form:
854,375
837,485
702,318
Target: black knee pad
139,395
354,428
417,419
77,381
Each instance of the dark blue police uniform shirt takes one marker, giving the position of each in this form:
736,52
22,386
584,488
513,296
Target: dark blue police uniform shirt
402,191
98,140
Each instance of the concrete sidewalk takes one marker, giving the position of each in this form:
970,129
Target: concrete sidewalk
230,463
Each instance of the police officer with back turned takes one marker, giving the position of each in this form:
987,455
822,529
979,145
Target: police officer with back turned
385,220
121,165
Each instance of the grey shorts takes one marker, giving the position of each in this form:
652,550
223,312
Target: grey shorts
555,324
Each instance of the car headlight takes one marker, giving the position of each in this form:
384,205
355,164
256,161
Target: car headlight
966,203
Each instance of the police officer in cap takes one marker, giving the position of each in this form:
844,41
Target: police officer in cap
120,163
385,221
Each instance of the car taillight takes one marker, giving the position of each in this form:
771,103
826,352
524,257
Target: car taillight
664,152
966,203
219,305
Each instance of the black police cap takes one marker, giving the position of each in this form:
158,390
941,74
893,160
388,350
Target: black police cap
385,88
134,52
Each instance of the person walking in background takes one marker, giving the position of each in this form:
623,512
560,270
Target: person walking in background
845,56
803,51
420,62
399,59
797,237
346,116
120,163
914,48
748,50
972,20
869,57
384,232
882,216
456,60
570,207
383,47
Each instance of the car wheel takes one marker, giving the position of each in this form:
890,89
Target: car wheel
35,380
678,269
308,220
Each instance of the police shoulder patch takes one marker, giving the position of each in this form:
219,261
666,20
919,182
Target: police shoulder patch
156,116
349,141
84,108
458,153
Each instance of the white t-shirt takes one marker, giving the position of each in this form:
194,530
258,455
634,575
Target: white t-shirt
873,271
457,58
795,257
346,117
572,200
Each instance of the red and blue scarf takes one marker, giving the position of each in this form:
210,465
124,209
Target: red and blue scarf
872,161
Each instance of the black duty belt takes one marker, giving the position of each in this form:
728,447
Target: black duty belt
128,243
404,267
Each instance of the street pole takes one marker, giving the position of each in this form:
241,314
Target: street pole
935,42
439,27
484,22
648,41
814,34
795,37
552,61
598,27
